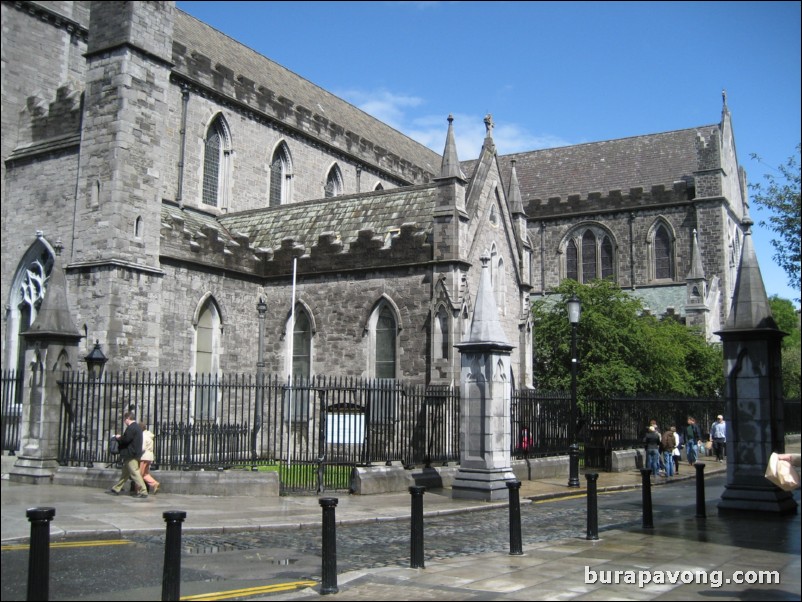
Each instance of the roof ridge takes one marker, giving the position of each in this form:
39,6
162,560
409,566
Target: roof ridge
652,135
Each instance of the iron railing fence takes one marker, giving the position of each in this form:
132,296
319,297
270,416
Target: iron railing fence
238,420
792,416
313,430
540,422
621,423
11,390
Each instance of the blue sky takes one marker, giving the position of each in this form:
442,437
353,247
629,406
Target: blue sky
551,74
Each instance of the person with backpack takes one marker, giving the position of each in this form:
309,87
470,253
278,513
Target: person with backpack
668,445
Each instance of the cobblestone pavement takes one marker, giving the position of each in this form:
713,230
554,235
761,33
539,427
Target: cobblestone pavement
387,543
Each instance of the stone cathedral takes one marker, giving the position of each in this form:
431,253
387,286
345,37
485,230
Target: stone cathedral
177,178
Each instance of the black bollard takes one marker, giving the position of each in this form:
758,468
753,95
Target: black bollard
416,535
171,577
329,581
700,490
516,546
593,506
646,490
39,553
573,465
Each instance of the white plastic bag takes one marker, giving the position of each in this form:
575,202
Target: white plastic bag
782,474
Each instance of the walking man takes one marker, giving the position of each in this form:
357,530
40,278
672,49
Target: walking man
130,452
718,435
692,438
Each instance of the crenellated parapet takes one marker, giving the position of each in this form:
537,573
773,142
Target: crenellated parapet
709,171
49,125
614,200
190,236
263,104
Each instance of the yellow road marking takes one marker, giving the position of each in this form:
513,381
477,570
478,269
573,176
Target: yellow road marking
251,591
571,497
72,544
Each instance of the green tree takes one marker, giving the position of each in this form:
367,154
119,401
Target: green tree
622,350
787,318
781,195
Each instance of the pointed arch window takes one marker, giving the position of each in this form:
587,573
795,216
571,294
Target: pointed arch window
571,265
301,365
27,293
663,256
302,345
385,344
280,176
607,258
589,254
334,182
215,163
207,361
442,342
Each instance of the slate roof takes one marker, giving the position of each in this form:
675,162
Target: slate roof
197,36
621,164
381,212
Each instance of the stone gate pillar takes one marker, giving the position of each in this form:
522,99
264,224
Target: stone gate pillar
754,402
485,395
51,347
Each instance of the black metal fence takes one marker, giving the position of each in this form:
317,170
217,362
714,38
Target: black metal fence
540,423
11,384
621,423
306,429
792,415
313,431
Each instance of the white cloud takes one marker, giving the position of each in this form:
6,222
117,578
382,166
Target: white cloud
382,104
401,111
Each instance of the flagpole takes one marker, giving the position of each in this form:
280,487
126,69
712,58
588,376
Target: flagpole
290,351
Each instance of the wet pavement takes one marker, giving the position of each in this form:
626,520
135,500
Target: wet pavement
465,542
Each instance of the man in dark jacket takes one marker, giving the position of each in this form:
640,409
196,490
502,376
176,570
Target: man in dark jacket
693,436
130,452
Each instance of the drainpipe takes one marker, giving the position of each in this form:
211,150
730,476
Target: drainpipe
179,194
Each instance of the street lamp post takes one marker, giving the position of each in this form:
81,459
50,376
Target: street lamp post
261,308
574,310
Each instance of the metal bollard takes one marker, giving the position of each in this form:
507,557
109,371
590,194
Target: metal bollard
39,553
171,577
329,580
516,545
593,506
646,490
416,535
700,490
573,465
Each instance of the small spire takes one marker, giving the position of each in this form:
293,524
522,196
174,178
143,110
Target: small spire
516,202
697,269
485,326
750,304
489,125
450,167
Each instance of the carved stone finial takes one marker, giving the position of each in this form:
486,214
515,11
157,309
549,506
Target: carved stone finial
489,125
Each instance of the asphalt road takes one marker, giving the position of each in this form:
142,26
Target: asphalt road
133,568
